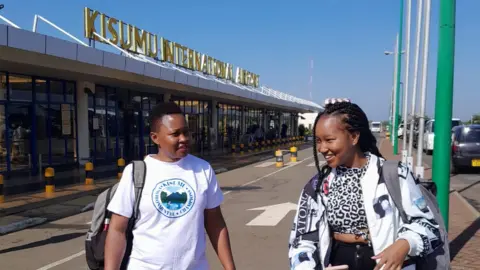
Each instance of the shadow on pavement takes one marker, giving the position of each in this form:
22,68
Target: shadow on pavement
457,244
83,227
237,188
51,240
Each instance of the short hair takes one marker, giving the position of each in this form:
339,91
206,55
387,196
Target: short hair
160,110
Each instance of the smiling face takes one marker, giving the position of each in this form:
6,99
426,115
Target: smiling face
171,134
334,141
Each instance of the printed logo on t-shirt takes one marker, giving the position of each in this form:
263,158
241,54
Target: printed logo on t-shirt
173,198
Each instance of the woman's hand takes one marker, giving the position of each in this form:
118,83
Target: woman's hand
393,256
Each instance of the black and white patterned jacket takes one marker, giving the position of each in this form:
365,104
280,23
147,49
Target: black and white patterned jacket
310,238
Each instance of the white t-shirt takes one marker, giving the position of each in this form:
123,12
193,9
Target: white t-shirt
170,231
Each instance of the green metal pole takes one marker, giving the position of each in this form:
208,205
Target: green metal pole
397,90
443,105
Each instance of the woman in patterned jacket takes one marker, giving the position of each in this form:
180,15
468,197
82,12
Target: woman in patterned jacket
345,216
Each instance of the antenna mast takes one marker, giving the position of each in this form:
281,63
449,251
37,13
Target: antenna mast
311,78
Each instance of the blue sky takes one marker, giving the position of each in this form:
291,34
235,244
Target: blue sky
276,40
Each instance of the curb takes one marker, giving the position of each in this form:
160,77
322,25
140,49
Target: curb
470,207
233,167
46,202
20,225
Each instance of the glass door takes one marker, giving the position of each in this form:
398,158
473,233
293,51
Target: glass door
19,137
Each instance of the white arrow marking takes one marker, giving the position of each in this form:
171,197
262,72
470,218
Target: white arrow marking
272,214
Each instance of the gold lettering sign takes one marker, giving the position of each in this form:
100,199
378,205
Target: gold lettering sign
139,41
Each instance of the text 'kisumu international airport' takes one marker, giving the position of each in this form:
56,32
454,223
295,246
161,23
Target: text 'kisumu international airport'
64,103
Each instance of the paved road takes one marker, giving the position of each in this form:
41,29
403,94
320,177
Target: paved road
263,245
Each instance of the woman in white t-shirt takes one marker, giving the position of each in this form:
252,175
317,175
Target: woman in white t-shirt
180,200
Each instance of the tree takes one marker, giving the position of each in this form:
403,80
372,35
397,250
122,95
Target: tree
475,119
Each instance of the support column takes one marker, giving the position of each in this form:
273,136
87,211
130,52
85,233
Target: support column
213,131
444,104
83,133
166,97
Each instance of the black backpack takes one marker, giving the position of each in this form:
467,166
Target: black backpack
96,235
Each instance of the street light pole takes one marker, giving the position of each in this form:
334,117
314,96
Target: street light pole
397,92
444,104
395,97
406,83
415,80
419,168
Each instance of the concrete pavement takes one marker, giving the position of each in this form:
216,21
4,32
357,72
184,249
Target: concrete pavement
262,244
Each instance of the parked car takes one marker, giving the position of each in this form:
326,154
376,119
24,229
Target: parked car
465,147
429,136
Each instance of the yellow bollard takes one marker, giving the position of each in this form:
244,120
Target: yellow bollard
2,194
121,166
89,173
279,158
242,146
49,181
233,149
293,154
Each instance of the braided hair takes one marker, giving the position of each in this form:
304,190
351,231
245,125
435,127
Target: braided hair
355,120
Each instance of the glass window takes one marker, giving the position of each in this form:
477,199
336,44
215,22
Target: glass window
41,90
111,97
3,86
3,142
472,135
20,88
70,92
56,91
99,96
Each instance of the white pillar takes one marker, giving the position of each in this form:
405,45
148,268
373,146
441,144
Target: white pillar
83,133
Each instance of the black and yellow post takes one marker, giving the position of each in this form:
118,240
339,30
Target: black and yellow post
256,146
278,158
49,181
89,173
233,149
242,148
293,154
250,147
2,195
120,167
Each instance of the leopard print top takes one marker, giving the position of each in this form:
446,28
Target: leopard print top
345,205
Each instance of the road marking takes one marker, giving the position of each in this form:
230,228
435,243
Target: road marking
320,163
265,164
270,174
62,261
271,214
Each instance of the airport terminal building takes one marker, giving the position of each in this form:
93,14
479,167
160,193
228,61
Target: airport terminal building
64,102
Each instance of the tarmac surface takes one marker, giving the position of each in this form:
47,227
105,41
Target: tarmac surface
259,206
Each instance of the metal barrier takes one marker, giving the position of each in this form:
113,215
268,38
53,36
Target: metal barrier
49,181
278,158
89,178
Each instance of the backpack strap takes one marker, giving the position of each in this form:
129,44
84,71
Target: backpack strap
138,176
389,175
